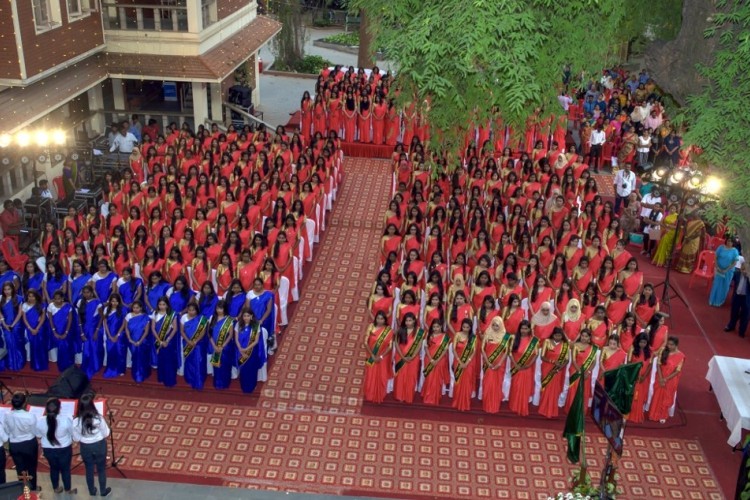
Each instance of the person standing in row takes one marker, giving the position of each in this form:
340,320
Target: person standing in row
20,426
91,431
56,432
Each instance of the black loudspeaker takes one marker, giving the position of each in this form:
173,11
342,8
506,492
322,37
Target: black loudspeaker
11,491
71,384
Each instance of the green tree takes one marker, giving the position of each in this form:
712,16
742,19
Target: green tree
289,44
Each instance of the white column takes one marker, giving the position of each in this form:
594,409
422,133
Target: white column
200,103
194,16
216,104
118,94
256,78
96,105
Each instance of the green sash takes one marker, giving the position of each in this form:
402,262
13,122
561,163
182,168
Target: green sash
378,344
586,363
501,348
551,374
246,354
526,356
440,350
470,346
411,352
202,324
165,326
224,333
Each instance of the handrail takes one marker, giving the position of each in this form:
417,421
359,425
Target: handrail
243,112
144,6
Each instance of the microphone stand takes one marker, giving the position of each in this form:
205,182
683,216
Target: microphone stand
115,459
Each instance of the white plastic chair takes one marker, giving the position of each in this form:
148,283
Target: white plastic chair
310,238
317,224
295,285
300,262
283,294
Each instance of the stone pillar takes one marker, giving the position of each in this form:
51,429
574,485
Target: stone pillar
200,103
216,102
118,95
194,16
96,105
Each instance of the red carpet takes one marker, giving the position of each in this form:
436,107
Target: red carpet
308,430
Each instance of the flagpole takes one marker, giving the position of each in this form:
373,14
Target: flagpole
603,495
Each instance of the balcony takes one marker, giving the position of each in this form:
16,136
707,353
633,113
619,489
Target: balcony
170,16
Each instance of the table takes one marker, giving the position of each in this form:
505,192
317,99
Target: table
731,385
90,194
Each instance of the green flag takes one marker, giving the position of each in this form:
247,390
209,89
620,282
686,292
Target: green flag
619,384
574,424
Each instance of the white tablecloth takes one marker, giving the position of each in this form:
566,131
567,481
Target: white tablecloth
731,385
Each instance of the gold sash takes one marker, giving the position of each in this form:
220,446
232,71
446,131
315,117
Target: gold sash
468,350
165,326
526,356
378,344
246,354
223,335
551,374
586,363
202,324
412,350
502,347
438,353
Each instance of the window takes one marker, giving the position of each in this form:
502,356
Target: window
46,14
208,12
77,9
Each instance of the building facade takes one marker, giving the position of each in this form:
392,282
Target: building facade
82,64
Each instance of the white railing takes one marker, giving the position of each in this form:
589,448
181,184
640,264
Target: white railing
141,17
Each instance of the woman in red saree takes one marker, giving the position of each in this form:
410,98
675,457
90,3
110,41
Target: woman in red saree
306,108
640,353
350,117
668,371
435,373
522,356
620,256
513,314
335,115
572,320
631,278
583,356
392,128
283,257
408,345
495,347
598,327
379,363
627,331
364,119
380,301
605,281
612,356
460,311
464,367
544,321
555,359
379,118
617,304
319,115
658,333
646,305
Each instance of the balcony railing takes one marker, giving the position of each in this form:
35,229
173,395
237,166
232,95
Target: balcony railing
141,17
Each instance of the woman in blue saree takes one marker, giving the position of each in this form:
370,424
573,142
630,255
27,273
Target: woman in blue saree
79,278
221,352
251,353
262,302
113,324
64,328
193,328
102,280
207,299
180,296
138,333
235,298
33,277
726,259
129,287
54,280
8,275
163,329
156,289
12,329
37,331
90,319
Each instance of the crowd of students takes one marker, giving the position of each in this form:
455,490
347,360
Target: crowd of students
504,275
187,267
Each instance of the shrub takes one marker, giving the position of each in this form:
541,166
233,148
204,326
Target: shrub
312,64
350,39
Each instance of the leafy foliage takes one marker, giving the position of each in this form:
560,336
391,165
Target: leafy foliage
472,56
313,64
289,45
350,39
717,119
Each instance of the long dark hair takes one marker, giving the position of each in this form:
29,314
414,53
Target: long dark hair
87,413
53,409
402,333
637,347
652,326
665,353
651,300
517,338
